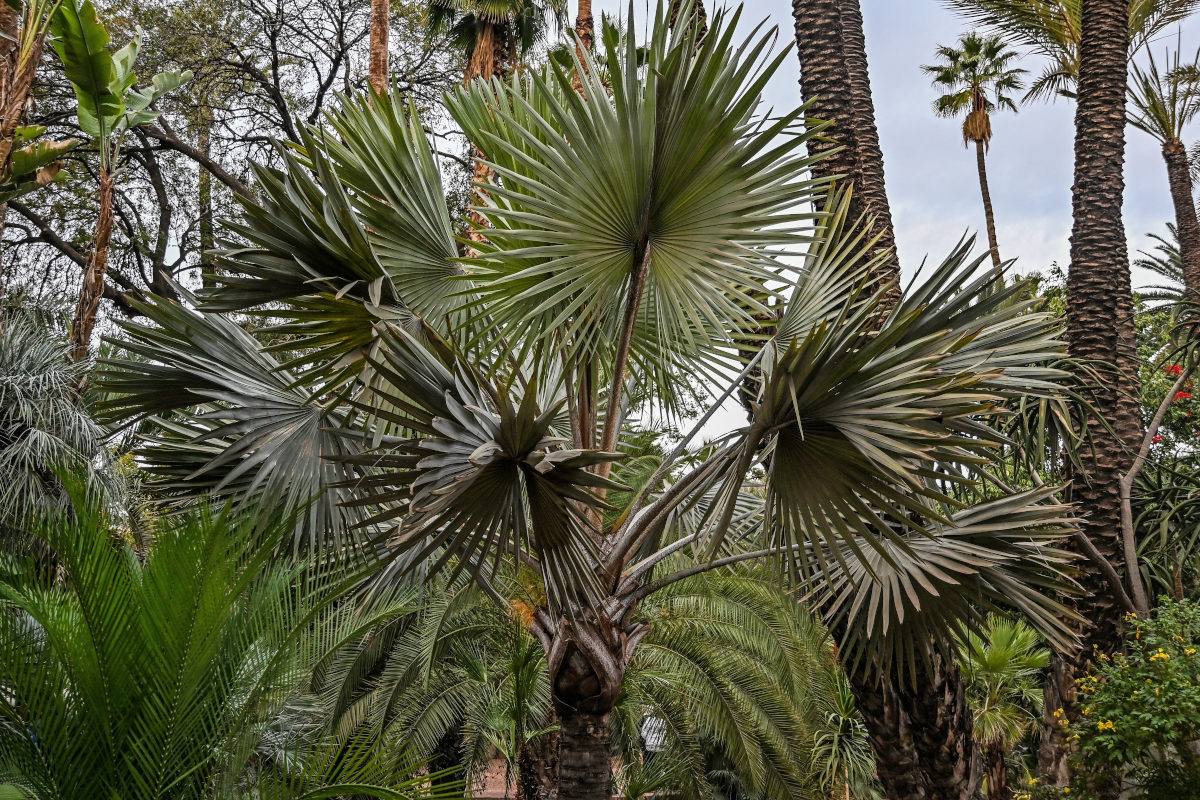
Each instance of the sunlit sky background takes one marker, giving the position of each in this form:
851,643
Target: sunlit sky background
931,177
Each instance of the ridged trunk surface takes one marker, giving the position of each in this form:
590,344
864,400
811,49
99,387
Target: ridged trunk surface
922,735
537,768
1180,179
834,81
93,275
989,217
997,774
377,69
584,755
1100,326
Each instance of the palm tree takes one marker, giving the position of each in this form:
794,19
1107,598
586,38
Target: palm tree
44,427
381,22
1053,29
113,682
494,36
1165,261
836,89
968,73
1162,105
1002,667
464,413
1099,329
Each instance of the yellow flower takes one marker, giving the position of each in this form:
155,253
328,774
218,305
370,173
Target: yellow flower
1033,781
1087,710
1066,790
1191,651
1058,713
1106,725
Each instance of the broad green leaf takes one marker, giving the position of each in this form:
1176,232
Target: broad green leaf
81,42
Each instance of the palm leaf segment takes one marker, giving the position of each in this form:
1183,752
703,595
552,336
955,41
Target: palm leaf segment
672,177
480,474
370,239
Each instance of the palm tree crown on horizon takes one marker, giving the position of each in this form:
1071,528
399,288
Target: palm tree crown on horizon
978,77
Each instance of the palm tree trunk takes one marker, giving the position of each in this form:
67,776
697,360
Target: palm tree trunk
943,730
537,768
834,81
377,75
585,26
890,731
997,773
93,275
989,217
1100,327
1180,179
584,755
871,186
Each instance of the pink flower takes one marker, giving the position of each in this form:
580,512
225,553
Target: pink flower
1156,439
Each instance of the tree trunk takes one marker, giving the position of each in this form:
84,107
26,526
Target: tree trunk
9,27
835,84
377,76
997,773
871,186
1180,178
537,768
989,218
585,26
584,755
204,190
93,274
1099,327
943,730
890,731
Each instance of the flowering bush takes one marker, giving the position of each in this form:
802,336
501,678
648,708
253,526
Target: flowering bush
1140,710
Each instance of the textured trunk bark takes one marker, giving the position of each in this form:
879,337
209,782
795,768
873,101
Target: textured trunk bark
943,731
989,218
835,83
890,731
997,774
871,186
93,276
584,755
1099,327
1180,179
585,26
9,27
377,69
537,768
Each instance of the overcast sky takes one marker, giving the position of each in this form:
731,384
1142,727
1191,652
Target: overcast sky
931,177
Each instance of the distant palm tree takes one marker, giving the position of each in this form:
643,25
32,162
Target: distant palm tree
977,77
1002,667
493,34
1162,104
1054,28
1165,261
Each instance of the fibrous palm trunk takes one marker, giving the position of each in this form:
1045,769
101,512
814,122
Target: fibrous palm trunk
835,84
1186,224
204,190
93,275
990,219
997,773
1100,327
377,69
537,768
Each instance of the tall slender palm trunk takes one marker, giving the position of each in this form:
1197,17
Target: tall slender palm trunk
922,739
1100,326
585,26
93,275
989,216
1186,224
835,83
377,75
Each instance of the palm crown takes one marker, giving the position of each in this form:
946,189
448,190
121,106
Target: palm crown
426,408
977,77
